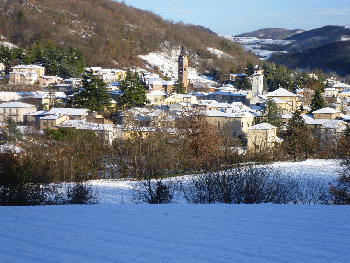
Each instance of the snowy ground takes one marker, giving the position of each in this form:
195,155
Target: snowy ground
175,233
254,45
113,232
167,62
120,191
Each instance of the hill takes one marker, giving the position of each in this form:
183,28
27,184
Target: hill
334,57
113,34
272,33
317,38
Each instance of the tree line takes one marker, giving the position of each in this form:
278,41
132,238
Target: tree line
56,60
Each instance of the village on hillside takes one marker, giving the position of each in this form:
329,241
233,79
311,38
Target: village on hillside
243,111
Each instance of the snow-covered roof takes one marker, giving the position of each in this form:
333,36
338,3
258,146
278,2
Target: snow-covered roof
286,116
281,92
262,126
84,125
344,93
157,93
27,67
16,104
51,117
278,101
229,114
38,113
326,110
345,117
68,111
332,124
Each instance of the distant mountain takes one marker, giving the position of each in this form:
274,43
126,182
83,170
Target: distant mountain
317,38
334,57
326,48
272,33
326,31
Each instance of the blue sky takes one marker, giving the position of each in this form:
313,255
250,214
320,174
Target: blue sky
233,17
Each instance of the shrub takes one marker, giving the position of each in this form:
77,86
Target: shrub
341,192
253,185
153,192
80,193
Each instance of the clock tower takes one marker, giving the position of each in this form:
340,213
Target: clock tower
183,68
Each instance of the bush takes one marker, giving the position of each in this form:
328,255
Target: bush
341,192
153,192
253,185
80,193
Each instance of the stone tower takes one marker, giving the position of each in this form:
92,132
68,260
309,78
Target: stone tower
183,68
257,81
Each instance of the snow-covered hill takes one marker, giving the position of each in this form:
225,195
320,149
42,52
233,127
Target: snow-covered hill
175,233
259,47
116,232
167,62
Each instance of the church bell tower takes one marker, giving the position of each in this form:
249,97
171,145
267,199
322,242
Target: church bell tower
183,68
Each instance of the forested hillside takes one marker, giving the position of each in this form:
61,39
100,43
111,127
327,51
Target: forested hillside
333,57
112,34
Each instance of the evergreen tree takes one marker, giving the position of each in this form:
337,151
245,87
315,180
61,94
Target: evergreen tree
298,138
179,88
344,144
243,84
249,70
9,55
272,114
318,101
133,93
93,95
13,133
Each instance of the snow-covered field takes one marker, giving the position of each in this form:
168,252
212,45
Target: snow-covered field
120,191
167,62
175,233
116,232
254,44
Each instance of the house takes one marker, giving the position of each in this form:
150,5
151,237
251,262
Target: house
26,74
68,84
181,98
230,96
330,92
41,118
155,84
326,113
327,130
144,117
156,97
51,121
234,77
220,119
16,110
261,137
285,95
46,81
39,70
108,132
132,132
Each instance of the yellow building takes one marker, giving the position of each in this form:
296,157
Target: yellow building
156,97
326,113
26,74
285,95
261,137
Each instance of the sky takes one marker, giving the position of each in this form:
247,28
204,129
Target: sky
233,17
